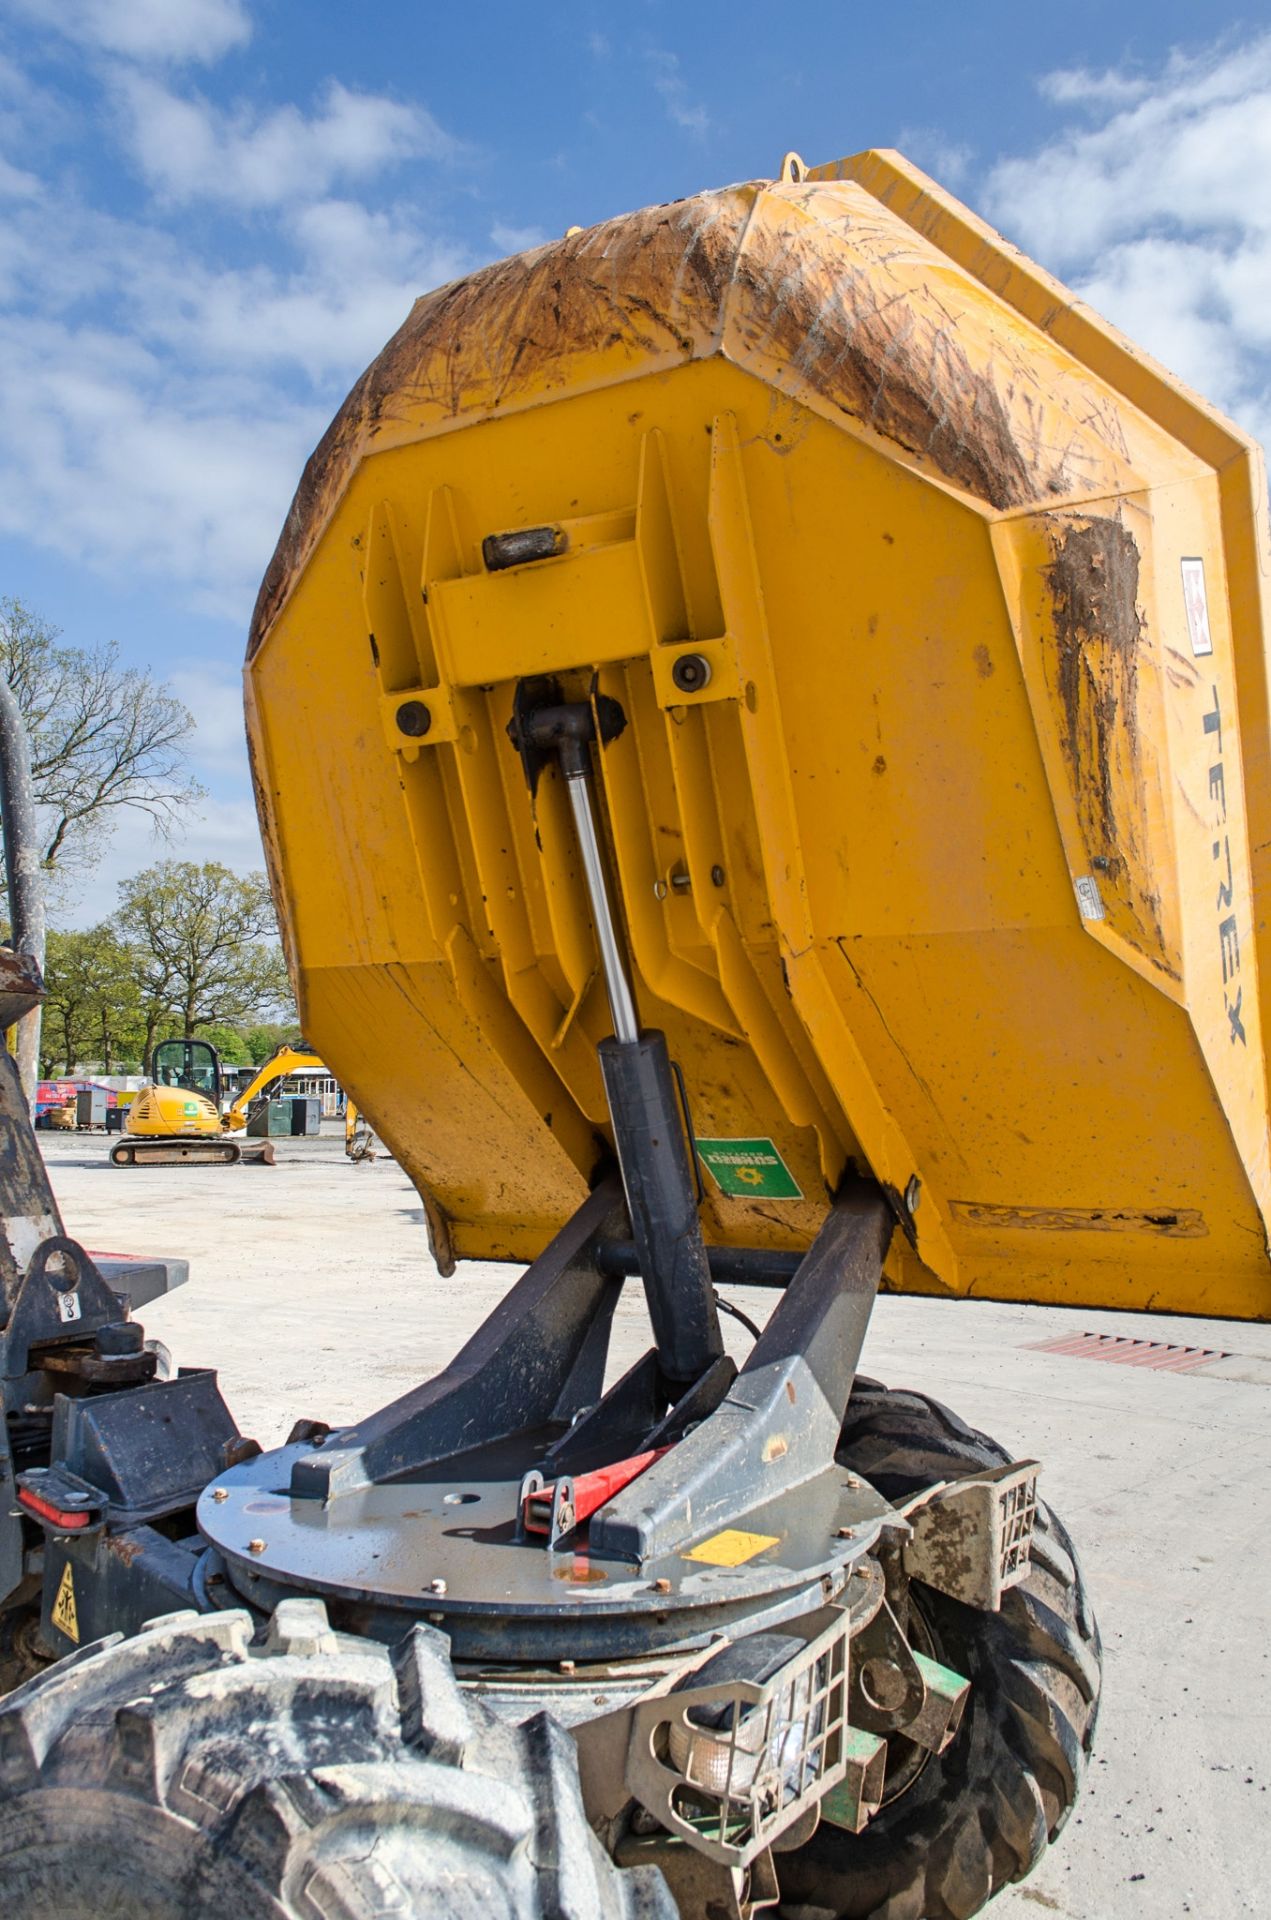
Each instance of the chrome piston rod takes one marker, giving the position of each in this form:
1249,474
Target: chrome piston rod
613,964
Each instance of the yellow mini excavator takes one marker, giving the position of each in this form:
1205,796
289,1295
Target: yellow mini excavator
181,1119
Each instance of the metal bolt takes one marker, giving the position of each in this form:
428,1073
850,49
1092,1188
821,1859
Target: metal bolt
413,719
682,882
847,1533
220,1493
853,1479
659,889
717,876
437,1586
691,672
913,1194
255,1546
661,1586
567,1666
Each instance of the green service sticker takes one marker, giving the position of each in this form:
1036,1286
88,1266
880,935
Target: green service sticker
748,1169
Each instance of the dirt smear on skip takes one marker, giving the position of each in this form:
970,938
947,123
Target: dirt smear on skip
657,288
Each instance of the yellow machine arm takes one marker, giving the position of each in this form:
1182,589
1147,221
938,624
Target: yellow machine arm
286,1060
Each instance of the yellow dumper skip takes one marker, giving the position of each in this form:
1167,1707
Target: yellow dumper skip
942,811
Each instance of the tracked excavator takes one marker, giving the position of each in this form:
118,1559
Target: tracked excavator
181,1118
791,691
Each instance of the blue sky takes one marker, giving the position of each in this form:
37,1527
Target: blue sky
213,212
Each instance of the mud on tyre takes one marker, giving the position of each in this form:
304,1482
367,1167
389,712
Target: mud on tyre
185,1773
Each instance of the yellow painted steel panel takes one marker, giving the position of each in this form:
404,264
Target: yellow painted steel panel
954,869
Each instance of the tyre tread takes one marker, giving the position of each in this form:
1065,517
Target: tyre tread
312,1777
978,1817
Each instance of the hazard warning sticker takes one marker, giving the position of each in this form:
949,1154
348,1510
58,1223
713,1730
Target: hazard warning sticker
748,1169
65,1615
732,1548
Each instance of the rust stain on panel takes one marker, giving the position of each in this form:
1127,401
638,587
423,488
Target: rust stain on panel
650,284
1175,1223
661,287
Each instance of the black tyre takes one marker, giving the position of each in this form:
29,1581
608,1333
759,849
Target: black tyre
186,1775
970,1820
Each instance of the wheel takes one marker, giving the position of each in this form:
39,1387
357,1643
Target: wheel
960,1825
22,1652
185,1774
123,1155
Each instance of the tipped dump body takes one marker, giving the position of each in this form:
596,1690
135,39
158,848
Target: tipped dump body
948,860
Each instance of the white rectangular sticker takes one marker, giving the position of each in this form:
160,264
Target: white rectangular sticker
1089,899
68,1307
1196,601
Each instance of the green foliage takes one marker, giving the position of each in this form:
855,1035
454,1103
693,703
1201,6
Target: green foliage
94,1007
267,1036
190,954
229,1043
202,936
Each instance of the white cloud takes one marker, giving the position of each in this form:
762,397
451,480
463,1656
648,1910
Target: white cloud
16,183
110,456
214,695
1077,86
1159,216
156,407
1194,152
516,239
147,30
355,275
945,160
190,149
669,85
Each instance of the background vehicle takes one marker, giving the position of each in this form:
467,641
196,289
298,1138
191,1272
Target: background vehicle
182,1116
837,665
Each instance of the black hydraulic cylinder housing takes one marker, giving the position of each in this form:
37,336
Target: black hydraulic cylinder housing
662,1203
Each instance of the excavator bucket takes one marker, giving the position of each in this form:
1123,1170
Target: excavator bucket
939,810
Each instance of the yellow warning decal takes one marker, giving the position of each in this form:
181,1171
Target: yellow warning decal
732,1548
64,1615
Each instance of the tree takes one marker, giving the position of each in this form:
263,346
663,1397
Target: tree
265,1038
94,1006
104,737
229,1043
205,954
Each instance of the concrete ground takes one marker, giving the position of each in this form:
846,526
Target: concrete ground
312,1291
